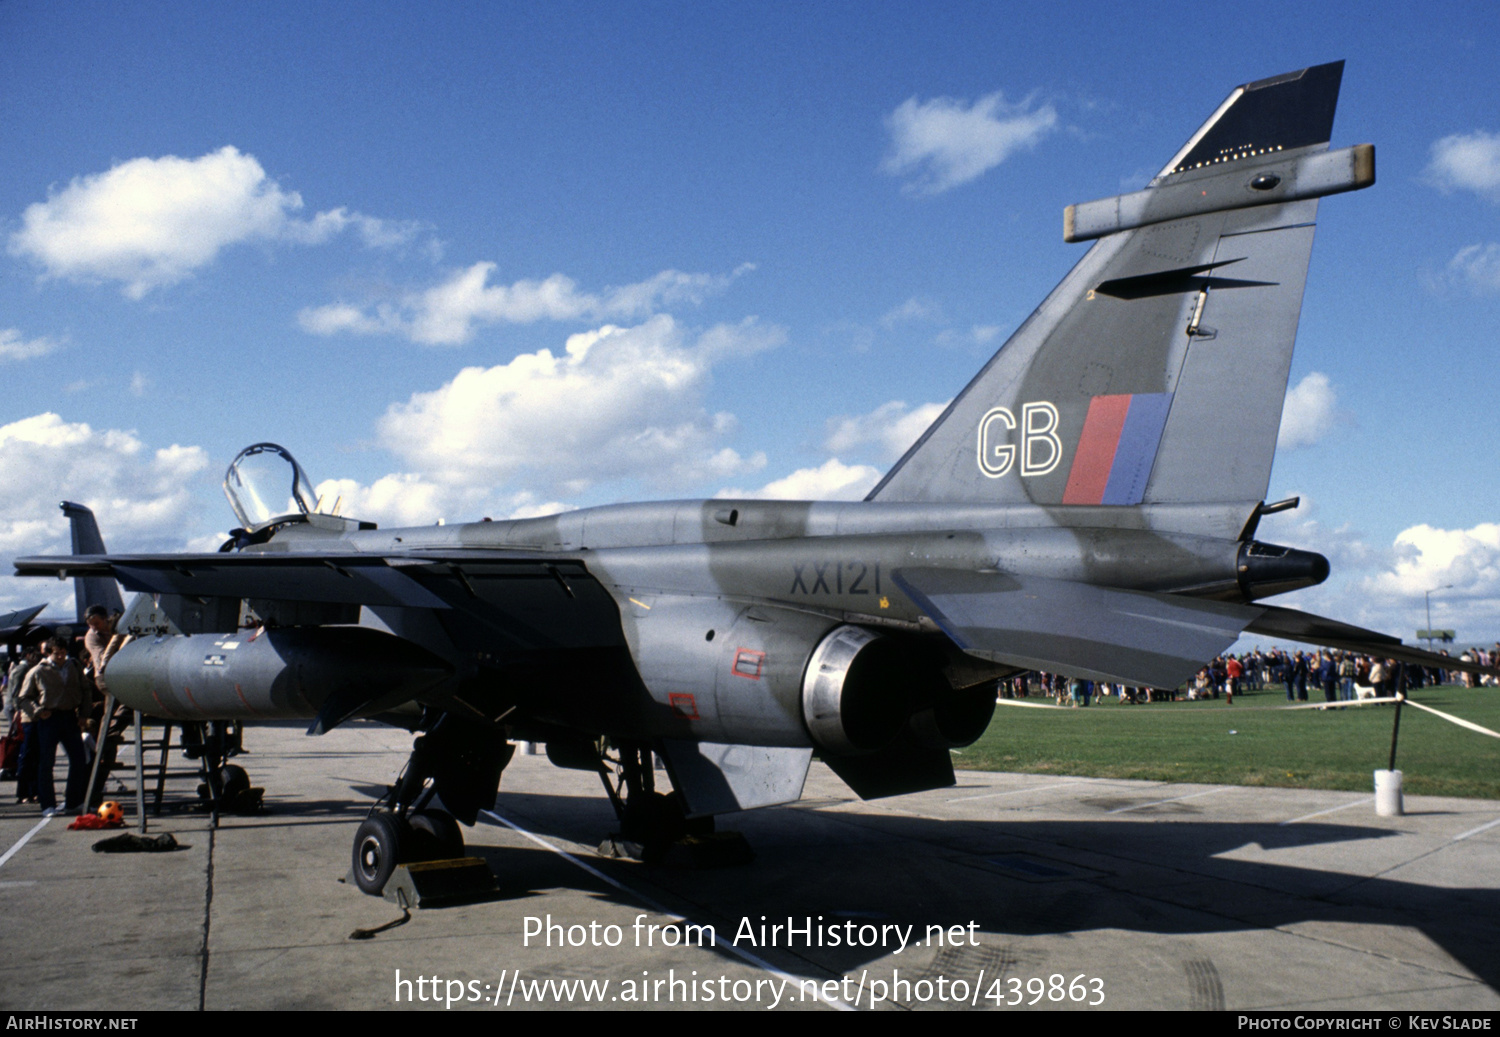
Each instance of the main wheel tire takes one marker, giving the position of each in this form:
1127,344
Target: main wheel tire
436,835
378,847
695,826
652,819
234,779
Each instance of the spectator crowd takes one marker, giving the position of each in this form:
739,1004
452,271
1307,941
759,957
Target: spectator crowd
1326,675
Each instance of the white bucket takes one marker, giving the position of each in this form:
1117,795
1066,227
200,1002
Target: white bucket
1388,793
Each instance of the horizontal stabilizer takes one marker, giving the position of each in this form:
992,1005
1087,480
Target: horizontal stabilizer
1330,633
1294,178
1057,626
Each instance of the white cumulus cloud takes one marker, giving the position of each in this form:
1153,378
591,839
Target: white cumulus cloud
151,222
1347,549
1310,412
616,403
374,232
912,309
14,346
977,335
409,499
1383,587
1467,162
1428,558
141,497
945,142
890,428
448,313
832,480
399,499
1476,268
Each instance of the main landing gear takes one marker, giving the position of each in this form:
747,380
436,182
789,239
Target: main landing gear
225,787
462,764
651,822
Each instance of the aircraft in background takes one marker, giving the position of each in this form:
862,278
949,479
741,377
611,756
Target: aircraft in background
29,627
20,627
1086,505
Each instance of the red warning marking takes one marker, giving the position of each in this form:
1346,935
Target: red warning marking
246,701
684,705
748,663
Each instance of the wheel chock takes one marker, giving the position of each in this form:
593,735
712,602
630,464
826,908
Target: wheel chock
436,883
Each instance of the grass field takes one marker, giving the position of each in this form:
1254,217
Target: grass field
1253,742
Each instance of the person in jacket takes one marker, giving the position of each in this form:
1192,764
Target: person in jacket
52,697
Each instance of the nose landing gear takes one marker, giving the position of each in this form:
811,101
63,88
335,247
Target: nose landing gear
462,765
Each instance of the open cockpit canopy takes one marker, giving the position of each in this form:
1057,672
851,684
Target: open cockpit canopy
265,485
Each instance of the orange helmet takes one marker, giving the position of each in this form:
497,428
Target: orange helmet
110,811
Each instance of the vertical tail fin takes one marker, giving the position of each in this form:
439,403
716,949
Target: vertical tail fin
1155,372
90,590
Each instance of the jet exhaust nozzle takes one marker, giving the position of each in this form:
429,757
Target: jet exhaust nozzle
861,690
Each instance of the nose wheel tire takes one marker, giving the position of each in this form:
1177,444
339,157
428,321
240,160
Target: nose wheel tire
378,847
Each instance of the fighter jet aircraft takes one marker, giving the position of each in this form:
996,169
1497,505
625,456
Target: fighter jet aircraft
29,627
1087,505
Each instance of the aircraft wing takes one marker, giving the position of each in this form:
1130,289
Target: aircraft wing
499,600
13,623
1058,626
345,578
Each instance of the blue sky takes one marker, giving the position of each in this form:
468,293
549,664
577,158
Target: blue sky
354,229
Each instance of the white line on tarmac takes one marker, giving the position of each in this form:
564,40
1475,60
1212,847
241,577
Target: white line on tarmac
738,952
1330,810
1015,792
565,855
1175,799
1476,831
24,840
